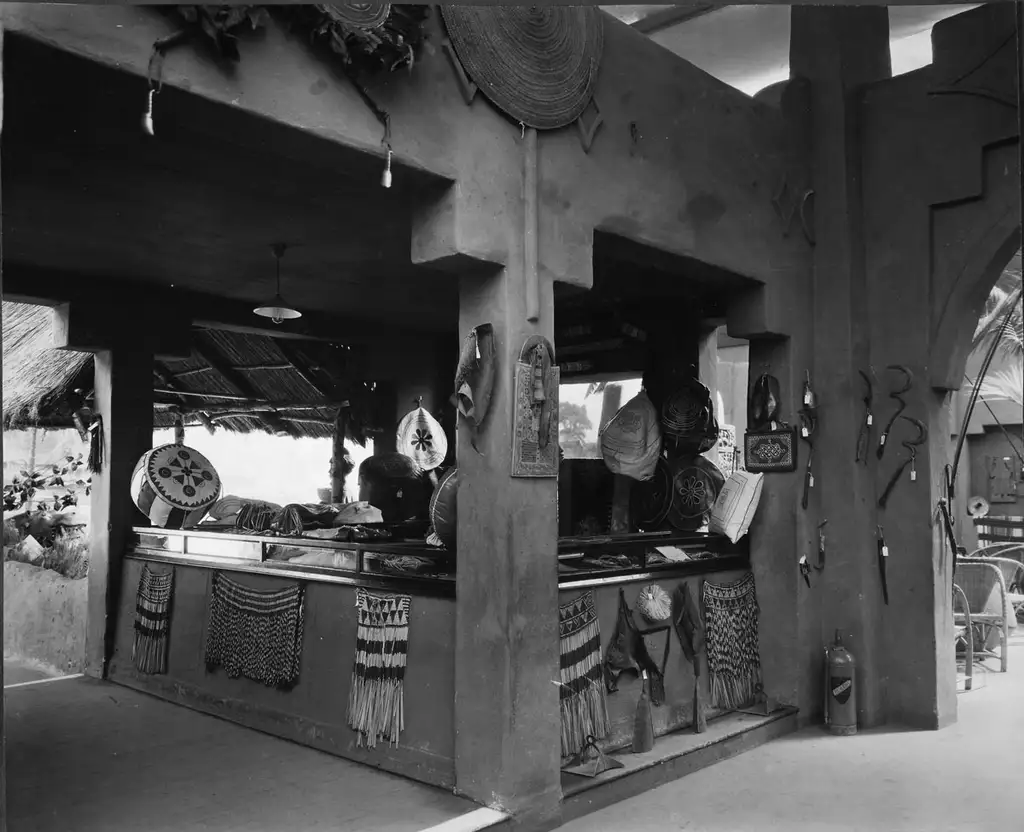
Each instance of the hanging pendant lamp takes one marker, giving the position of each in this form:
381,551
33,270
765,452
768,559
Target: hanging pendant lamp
276,309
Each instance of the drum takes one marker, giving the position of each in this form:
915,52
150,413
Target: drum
444,508
174,486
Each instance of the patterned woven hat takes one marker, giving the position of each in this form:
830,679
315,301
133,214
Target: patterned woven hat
174,486
688,418
538,64
422,439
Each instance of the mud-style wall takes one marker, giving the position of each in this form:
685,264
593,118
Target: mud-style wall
314,712
44,616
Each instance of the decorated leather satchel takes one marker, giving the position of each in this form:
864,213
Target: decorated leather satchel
769,445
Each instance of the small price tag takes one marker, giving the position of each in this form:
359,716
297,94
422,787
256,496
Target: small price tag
881,440
808,399
804,432
871,420
810,481
913,476
885,551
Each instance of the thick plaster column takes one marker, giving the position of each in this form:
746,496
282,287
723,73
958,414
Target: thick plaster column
838,50
507,744
507,726
123,384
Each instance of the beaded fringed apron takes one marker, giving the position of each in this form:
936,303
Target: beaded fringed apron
584,711
255,633
376,698
734,661
152,621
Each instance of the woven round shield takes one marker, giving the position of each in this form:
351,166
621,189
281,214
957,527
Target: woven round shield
174,486
365,16
537,64
651,499
422,439
696,483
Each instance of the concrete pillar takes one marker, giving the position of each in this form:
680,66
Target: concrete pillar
838,50
507,748
123,384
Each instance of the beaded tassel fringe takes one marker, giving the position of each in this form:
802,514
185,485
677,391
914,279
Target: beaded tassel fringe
255,634
731,615
584,712
152,621
376,700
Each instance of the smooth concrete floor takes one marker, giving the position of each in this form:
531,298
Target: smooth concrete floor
88,756
967,777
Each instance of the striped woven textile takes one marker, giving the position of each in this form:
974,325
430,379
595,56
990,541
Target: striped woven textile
734,660
376,699
583,706
152,621
255,634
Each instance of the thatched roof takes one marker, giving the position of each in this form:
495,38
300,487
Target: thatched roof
238,381
34,373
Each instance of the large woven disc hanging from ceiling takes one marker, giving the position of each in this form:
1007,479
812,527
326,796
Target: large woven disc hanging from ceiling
366,16
537,64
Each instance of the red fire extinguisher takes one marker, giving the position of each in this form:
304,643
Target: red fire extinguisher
840,689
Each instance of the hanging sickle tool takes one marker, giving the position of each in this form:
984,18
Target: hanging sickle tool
911,446
898,396
809,418
820,565
805,570
883,556
864,437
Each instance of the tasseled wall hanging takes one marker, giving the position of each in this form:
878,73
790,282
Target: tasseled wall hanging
583,706
376,700
734,661
255,634
152,621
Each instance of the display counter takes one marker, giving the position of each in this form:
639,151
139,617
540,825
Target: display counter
628,563
314,710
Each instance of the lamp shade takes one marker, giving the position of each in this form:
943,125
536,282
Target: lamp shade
277,310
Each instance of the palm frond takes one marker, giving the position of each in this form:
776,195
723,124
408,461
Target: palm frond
1002,303
1007,385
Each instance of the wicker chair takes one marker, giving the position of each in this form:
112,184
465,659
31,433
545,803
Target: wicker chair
985,591
1008,561
964,634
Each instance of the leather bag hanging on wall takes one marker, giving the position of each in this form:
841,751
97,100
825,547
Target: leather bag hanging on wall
769,445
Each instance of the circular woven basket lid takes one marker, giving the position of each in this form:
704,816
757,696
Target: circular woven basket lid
182,476
651,499
366,16
422,439
537,64
696,483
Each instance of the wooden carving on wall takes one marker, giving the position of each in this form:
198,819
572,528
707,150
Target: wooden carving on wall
535,411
